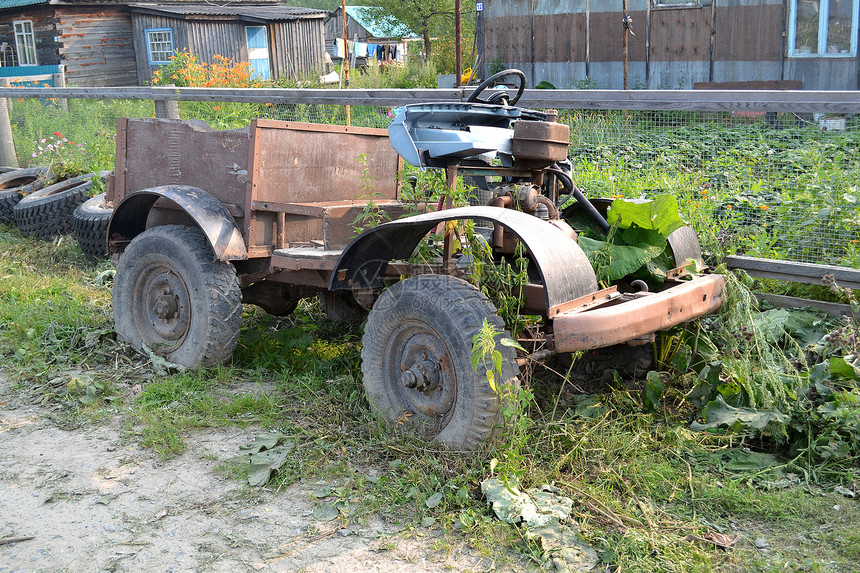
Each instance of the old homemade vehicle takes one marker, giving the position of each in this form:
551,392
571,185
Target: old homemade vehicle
207,220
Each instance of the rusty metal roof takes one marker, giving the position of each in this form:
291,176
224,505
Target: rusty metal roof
233,10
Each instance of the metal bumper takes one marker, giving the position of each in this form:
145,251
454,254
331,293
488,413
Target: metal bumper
589,327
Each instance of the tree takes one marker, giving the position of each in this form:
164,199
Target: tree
430,17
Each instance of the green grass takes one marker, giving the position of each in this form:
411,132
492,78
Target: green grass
640,481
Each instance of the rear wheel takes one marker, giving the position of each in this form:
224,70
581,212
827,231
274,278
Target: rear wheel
416,361
341,306
172,296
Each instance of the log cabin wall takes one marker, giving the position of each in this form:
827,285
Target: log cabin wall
96,46
44,32
564,42
93,43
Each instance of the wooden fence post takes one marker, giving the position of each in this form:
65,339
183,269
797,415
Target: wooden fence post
8,157
60,82
168,109
4,83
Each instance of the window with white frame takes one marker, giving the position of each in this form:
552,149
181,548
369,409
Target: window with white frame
25,42
159,45
823,28
677,3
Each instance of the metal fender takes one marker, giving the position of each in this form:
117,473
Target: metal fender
129,219
565,270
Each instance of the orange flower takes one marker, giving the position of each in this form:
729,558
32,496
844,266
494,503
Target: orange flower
763,207
729,207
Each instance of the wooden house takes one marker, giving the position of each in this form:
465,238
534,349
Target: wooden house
93,41
278,41
675,43
118,43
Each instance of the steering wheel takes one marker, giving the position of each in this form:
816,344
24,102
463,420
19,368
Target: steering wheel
500,97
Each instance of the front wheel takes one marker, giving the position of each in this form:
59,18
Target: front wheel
416,361
172,296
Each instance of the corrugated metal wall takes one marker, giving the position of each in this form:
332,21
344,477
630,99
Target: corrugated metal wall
564,42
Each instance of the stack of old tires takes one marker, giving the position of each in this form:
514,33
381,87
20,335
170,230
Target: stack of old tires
15,184
47,211
91,220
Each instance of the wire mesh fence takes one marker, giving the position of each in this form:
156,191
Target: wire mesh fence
778,185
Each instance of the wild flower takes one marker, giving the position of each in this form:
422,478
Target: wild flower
65,159
185,71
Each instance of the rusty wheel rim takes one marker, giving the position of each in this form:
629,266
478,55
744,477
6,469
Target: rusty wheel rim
425,379
163,310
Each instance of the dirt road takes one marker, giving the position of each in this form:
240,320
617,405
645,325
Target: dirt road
93,500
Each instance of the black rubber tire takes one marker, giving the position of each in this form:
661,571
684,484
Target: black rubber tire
275,298
15,184
8,199
172,295
431,319
49,212
90,221
341,306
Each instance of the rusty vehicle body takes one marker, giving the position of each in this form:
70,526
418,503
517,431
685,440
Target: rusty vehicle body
271,209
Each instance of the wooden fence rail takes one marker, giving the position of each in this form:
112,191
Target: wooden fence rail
837,102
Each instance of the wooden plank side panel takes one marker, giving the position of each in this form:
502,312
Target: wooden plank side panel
297,48
172,152
142,22
207,39
298,166
751,33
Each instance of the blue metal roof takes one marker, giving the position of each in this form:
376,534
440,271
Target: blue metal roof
18,3
378,23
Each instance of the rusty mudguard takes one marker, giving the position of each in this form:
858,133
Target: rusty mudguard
580,318
130,216
565,271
